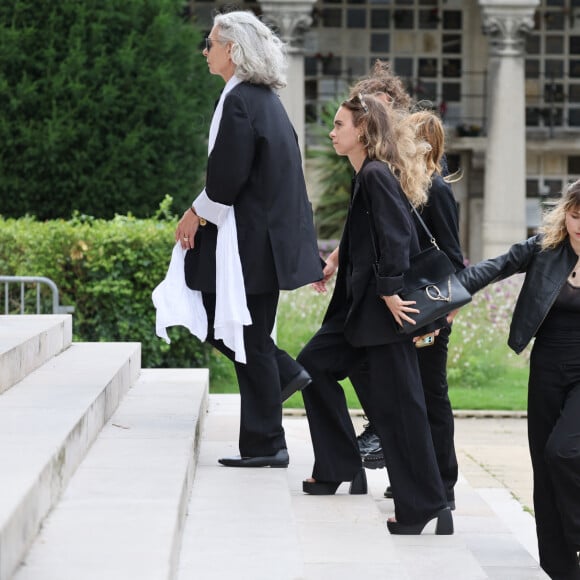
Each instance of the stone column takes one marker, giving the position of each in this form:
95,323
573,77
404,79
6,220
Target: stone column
291,18
506,24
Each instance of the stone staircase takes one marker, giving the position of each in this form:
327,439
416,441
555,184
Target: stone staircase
105,449
98,458
256,524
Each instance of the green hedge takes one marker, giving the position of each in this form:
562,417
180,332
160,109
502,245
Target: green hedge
104,106
107,271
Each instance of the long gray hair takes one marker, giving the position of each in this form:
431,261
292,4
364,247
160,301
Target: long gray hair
257,52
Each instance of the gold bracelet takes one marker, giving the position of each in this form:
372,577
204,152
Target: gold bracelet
202,222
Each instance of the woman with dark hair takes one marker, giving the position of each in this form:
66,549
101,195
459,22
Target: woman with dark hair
361,324
548,308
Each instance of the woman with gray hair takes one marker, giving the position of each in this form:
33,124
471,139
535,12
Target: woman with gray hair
256,52
250,233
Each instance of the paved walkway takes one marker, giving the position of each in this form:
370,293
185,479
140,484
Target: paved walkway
493,453
256,524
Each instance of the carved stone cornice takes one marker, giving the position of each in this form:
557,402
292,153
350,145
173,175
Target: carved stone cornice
507,24
291,18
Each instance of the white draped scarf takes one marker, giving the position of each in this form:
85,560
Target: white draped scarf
231,312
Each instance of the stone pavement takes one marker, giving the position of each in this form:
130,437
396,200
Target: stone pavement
254,524
493,453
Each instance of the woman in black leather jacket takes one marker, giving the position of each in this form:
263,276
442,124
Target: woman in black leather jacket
548,308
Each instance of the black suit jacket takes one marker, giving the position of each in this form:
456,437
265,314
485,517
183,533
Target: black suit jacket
255,165
441,216
356,304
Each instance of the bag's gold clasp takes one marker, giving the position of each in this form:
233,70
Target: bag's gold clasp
433,292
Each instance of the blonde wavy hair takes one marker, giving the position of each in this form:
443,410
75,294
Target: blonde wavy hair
383,81
387,138
428,127
554,223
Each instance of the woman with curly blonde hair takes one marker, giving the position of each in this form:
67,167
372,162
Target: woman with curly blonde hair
361,325
548,308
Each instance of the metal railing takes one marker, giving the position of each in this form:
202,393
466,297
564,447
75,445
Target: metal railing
39,282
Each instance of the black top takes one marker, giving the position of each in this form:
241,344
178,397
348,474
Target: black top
441,215
561,327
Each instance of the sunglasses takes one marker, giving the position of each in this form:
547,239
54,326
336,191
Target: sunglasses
209,43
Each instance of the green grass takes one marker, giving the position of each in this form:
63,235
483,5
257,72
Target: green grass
483,373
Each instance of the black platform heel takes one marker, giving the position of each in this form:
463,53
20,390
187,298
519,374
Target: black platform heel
358,486
444,525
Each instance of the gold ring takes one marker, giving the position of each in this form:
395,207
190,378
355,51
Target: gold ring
185,238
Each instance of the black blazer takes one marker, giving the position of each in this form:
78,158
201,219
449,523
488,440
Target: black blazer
441,216
356,304
255,165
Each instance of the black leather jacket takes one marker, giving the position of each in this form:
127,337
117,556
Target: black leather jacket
546,273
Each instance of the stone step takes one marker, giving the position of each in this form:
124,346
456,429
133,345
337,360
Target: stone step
28,341
48,421
256,524
122,514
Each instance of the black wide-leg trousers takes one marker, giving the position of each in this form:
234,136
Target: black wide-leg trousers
394,402
554,439
261,431
433,369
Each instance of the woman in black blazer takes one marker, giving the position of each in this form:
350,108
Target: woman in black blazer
255,171
361,324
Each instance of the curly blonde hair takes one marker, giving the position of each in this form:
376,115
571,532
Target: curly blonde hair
392,141
428,127
554,223
383,80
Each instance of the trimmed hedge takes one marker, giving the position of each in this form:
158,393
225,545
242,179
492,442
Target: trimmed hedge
107,271
104,107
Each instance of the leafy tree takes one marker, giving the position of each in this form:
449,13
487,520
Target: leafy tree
104,107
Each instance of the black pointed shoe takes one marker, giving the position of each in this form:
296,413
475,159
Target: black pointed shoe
280,459
298,382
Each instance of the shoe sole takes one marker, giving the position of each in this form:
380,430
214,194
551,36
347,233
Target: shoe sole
251,464
292,388
373,463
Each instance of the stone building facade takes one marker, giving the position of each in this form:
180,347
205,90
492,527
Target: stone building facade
504,75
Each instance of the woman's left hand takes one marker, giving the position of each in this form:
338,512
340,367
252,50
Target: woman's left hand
186,229
400,308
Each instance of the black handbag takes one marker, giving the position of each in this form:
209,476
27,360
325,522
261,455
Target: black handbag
430,282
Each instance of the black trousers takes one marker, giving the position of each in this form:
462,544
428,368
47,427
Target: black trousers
394,400
554,439
433,370
261,431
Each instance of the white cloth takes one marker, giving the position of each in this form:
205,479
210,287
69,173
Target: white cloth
176,304
231,313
